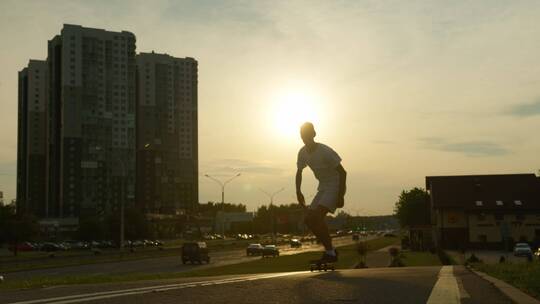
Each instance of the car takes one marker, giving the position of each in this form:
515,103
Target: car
49,247
522,249
270,250
254,249
295,243
26,246
195,252
137,243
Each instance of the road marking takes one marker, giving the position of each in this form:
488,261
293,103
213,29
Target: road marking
446,290
142,290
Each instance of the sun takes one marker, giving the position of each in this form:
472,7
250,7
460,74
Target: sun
292,108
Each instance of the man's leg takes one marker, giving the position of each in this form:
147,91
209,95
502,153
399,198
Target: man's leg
315,220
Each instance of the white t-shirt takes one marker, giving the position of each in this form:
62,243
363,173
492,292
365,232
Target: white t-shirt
323,162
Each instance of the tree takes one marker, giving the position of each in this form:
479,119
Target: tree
15,228
412,208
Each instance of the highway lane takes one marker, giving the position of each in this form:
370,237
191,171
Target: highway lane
161,264
447,284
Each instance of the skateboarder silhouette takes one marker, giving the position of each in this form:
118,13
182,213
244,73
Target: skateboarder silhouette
326,165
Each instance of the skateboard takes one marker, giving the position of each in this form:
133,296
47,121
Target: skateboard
321,266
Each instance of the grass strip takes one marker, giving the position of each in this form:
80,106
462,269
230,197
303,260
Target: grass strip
295,262
525,276
420,258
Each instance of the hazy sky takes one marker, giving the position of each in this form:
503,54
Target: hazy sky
400,89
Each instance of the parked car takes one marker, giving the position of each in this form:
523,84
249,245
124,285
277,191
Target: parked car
137,243
48,247
25,246
77,245
254,249
522,249
270,250
295,243
195,252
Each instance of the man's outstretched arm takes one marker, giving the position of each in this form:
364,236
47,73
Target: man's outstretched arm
299,195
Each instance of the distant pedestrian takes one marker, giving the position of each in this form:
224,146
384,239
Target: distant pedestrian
326,165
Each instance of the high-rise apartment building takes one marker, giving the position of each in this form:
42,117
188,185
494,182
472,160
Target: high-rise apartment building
32,138
91,151
167,133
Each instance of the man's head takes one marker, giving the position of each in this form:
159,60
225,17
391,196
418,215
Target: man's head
307,132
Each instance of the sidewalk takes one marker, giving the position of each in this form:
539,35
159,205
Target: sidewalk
487,256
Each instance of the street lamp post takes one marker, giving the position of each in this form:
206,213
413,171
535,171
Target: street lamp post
222,184
271,196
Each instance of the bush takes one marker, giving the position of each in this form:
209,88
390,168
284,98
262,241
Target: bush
473,259
444,258
394,251
396,257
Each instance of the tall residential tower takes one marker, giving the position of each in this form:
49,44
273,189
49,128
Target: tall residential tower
32,139
167,146
91,121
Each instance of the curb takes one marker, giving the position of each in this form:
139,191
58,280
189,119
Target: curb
510,291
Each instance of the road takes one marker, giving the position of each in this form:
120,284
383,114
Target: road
161,264
447,284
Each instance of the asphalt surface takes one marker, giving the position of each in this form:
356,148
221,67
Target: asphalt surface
377,285
161,264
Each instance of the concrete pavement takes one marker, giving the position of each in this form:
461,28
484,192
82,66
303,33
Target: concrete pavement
376,285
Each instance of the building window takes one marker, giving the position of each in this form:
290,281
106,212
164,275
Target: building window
517,202
479,203
499,203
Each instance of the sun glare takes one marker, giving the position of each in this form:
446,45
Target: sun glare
292,109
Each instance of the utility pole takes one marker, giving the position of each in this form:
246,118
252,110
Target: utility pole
222,184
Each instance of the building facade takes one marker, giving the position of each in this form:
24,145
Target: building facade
484,211
91,129
167,133
32,139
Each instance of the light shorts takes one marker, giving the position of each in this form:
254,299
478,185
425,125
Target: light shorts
327,198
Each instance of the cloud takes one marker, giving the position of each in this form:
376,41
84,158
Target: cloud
469,148
525,109
227,167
